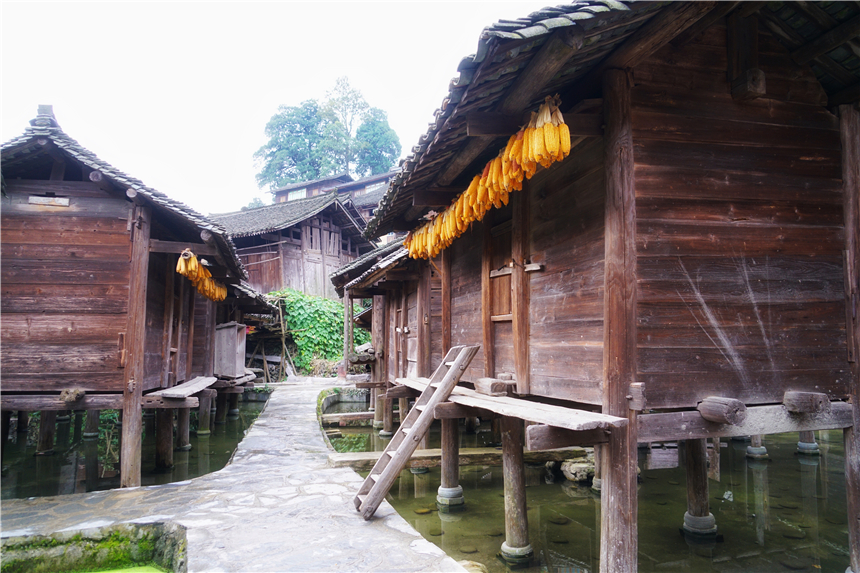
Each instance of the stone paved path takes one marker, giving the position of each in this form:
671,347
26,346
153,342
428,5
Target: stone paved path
276,507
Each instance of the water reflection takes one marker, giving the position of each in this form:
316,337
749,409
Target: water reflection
75,466
782,514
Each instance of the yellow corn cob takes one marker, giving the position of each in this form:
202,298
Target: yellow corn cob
550,138
564,140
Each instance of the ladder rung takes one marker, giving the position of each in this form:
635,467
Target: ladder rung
406,430
434,384
449,364
390,453
420,408
374,477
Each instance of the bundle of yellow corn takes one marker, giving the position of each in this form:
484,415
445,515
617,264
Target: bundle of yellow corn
544,140
189,267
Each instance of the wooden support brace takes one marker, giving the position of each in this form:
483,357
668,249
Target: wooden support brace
806,402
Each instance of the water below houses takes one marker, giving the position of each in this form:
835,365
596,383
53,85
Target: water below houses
80,465
784,514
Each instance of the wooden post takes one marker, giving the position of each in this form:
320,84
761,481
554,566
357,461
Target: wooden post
91,428
221,408
130,450
209,355
164,438
204,412
597,481
78,427
520,288
423,310
387,418
619,545
47,429
487,299
23,422
183,429
233,406
698,520
449,497
5,427
849,124
516,547
446,300
404,408
347,330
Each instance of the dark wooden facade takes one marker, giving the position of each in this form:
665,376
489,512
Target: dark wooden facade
91,302
700,242
297,244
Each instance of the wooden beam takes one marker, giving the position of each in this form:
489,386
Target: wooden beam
424,333
744,75
760,420
549,60
34,403
135,338
447,410
827,42
661,29
618,545
365,292
498,125
806,402
722,410
156,246
688,35
435,196
396,392
543,437
520,280
750,8
487,338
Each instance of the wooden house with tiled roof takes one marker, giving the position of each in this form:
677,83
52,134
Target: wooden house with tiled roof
297,244
94,314
688,272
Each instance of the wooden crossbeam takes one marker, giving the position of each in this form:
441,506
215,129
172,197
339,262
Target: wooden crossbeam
827,42
156,246
89,402
499,124
435,197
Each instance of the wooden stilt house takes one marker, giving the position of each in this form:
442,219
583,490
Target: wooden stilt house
94,314
298,243
688,271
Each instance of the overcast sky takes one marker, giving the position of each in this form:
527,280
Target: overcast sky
178,94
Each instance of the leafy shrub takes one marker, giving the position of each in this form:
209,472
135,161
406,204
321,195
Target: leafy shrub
316,327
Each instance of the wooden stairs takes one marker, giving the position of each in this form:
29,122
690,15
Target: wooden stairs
412,430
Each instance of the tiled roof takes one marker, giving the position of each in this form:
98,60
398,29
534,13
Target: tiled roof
340,178
507,47
504,50
45,127
282,215
370,199
362,263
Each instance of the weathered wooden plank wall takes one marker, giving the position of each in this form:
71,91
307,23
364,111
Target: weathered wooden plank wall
566,298
65,274
466,297
739,230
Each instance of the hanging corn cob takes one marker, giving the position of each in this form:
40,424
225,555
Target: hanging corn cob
200,277
544,140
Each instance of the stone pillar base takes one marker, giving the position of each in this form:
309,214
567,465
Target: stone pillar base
700,525
808,448
384,434
516,555
596,485
184,448
377,424
89,436
757,452
203,433
419,470
450,499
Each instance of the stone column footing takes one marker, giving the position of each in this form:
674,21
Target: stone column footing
757,452
184,448
596,485
419,470
516,555
700,525
808,448
384,434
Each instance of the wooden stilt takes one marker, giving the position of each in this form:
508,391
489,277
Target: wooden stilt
91,428
91,463
164,438
378,412
221,408
849,125
597,482
516,548
5,427
204,413
472,425
183,429
47,429
698,520
79,423
756,449
450,494
233,406
130,443
404,408
387,418
23,422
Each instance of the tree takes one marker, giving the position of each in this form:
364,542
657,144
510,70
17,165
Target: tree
255,203
348,106
298,148
378,146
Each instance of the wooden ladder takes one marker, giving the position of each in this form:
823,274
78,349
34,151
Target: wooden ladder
412,429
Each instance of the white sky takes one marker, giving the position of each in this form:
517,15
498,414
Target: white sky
178,94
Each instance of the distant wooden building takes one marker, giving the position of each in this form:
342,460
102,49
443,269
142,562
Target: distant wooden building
365,191
695,258
94,315
299,243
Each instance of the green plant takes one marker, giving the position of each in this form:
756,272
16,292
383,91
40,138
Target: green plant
316,327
